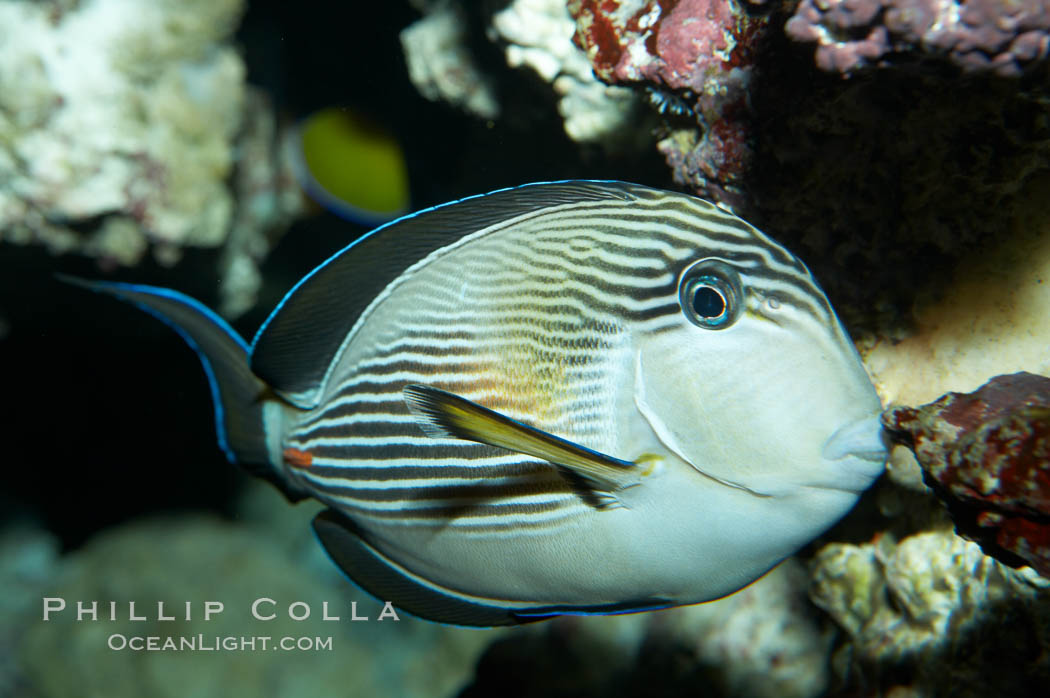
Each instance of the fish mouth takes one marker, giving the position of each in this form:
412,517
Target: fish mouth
864,439
857,453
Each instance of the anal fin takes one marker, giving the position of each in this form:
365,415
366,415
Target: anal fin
387,581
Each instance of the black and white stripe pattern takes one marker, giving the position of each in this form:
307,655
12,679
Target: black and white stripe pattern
520,317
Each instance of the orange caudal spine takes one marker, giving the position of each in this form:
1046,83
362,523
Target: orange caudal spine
296,458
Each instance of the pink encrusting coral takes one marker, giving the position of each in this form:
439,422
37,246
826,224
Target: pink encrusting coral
1003,36
682,44
699,50
987,454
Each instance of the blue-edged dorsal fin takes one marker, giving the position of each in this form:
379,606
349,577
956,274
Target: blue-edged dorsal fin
298,343
443,414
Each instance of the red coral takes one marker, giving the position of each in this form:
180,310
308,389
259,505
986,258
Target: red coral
597,35
987,454
702,49
677,44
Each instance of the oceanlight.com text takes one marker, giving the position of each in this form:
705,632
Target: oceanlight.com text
217,643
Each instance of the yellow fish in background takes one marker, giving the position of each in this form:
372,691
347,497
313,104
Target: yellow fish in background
563,398
351,165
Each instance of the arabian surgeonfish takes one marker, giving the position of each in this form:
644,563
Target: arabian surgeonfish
562,398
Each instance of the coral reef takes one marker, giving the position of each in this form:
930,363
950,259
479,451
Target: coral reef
987,453
921,164
889,175
198,559
763,641
985,318
923,611
882,183
978,325
442,67
121,123
28,561
266,199
538,34
932,615
696,53
1002,36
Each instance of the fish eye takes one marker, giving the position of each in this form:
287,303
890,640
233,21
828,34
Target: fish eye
709,293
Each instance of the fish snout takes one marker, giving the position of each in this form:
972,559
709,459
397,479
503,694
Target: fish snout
864,438
859,450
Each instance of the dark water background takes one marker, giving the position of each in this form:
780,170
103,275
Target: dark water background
106,413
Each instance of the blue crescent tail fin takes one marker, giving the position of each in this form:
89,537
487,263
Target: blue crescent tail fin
237,393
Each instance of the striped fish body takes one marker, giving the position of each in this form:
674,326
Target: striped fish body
655,404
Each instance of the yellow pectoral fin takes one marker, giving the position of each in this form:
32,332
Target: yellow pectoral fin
443,414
